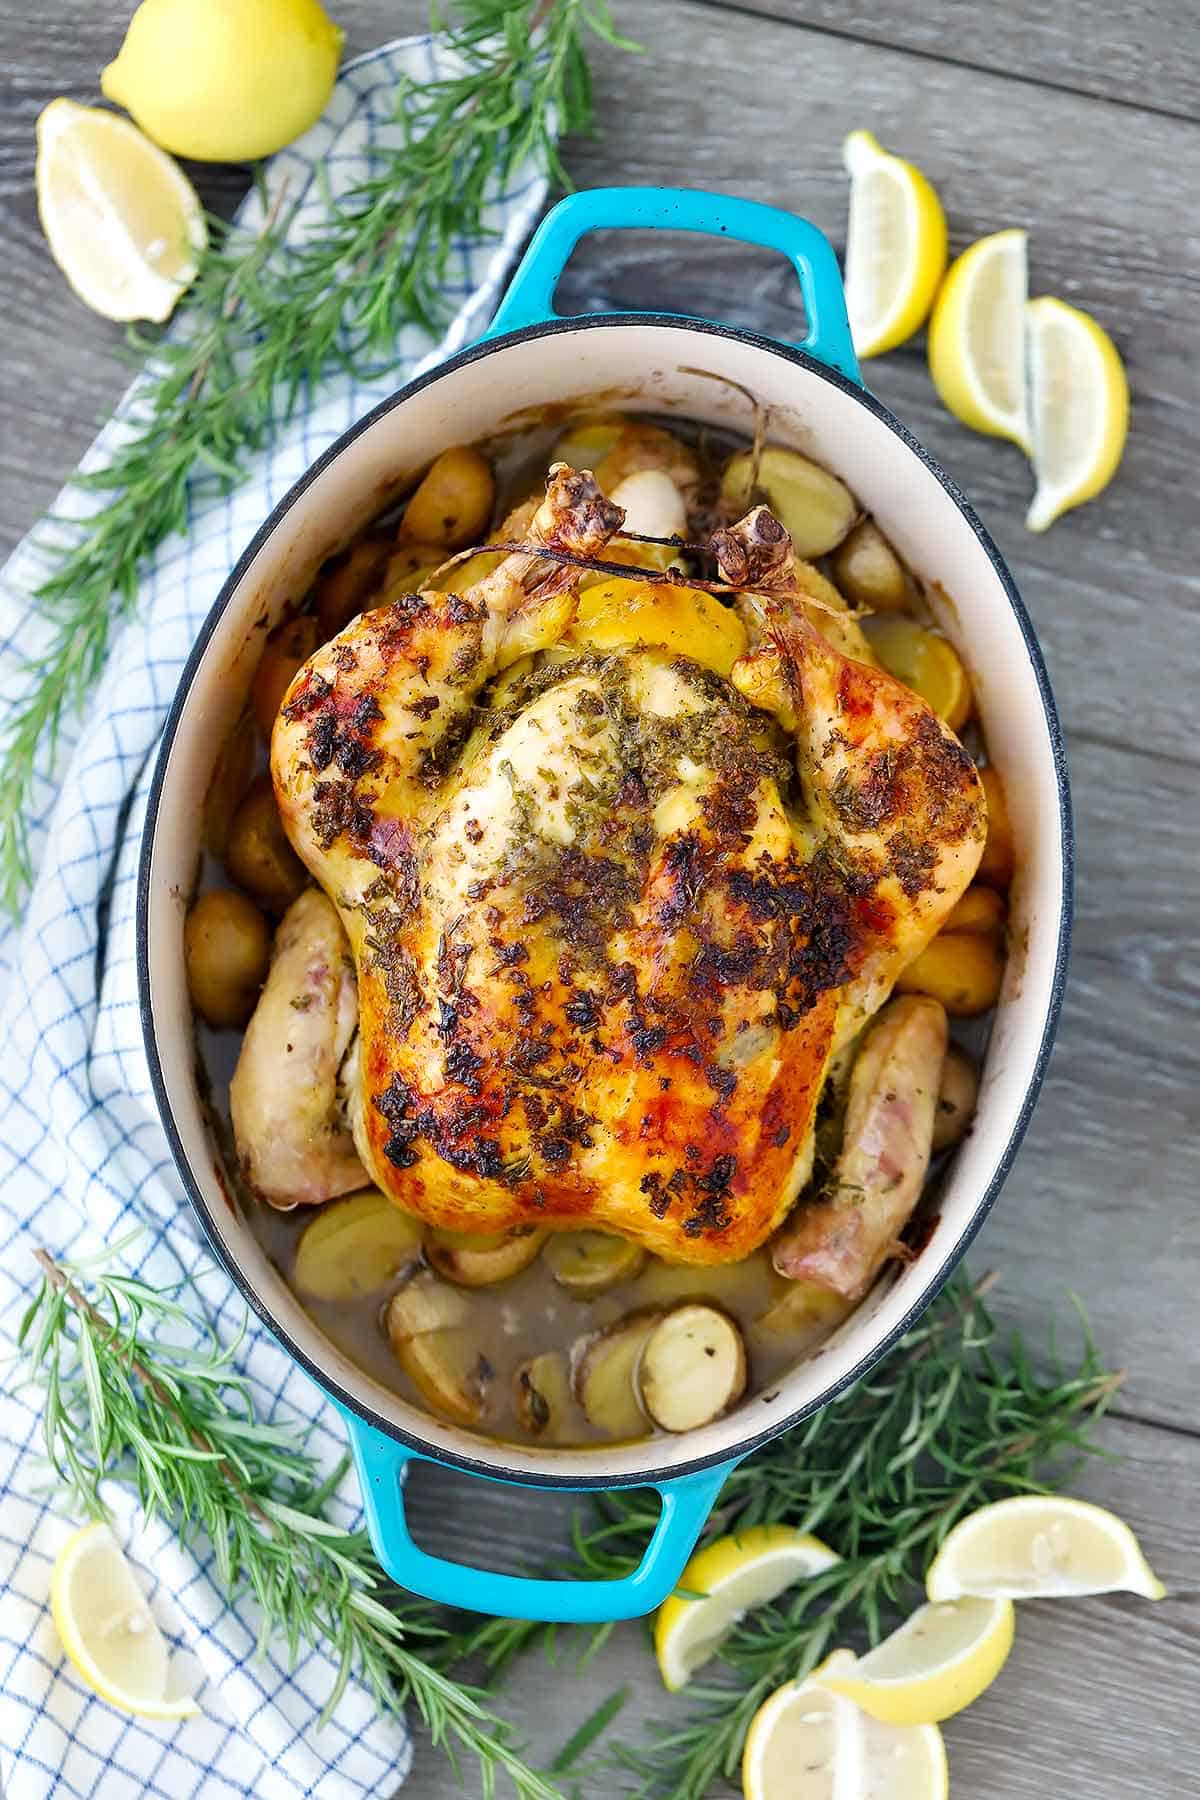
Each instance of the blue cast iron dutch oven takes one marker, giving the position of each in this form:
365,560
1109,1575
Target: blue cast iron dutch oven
665,364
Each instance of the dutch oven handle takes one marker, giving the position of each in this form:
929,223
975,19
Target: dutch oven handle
530,296
381,1463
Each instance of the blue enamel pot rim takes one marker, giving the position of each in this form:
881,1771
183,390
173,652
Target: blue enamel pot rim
579,1479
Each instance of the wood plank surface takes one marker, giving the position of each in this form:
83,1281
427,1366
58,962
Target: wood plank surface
1092,1704
1147,56
1077,122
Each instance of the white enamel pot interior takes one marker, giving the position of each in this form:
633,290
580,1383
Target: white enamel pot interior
646,364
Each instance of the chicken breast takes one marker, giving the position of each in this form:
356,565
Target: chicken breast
609,936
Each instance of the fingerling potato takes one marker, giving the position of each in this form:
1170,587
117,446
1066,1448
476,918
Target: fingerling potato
453,503
962,970
258,854
227,949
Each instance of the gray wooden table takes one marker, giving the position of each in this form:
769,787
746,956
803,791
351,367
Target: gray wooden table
1080,123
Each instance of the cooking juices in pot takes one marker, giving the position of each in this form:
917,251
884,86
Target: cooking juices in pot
657,916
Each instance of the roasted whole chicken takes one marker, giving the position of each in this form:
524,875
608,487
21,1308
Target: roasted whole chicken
612,930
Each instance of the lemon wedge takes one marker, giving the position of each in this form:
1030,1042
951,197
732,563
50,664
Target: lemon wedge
1079,408
107,1629
228,82
895,245
729,1577
977,338
807,1739
124,224
936,1663
1040,1546
925,662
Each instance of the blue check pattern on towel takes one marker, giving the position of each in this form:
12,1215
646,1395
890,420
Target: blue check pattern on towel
82,1155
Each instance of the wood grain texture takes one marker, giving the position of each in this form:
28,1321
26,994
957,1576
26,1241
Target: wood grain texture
1102,1199
1145,56
1091,1704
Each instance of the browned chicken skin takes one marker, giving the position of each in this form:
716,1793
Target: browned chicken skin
604,957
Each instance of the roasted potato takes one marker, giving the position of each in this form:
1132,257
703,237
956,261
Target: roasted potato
427,1329
231,776
258,854
355,1246
410,568
925,662
868,571
227,949
542,1396
589,1262
453,504
816,509
343,590
692,1368
831,616
960,969
481,1258
958,1092
605,1370
980,909
588,439
801,1316
999,853
739,1287
285,652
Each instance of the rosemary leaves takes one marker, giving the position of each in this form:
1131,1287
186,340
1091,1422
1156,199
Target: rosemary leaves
267,319
179,1427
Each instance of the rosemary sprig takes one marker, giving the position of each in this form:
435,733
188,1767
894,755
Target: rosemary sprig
265,320
954,1418
179,1427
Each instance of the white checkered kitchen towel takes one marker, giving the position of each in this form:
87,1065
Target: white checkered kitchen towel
82,1155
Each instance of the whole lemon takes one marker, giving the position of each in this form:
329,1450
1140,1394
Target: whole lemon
225,80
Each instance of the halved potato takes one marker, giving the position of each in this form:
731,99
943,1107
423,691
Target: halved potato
480,1258
227,951
803,1314
588,1262
542,1395
869,572
425,1304
355,1247
588,439
814,507
740,1287
605,1371
692,1368
427,1328
958,1091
